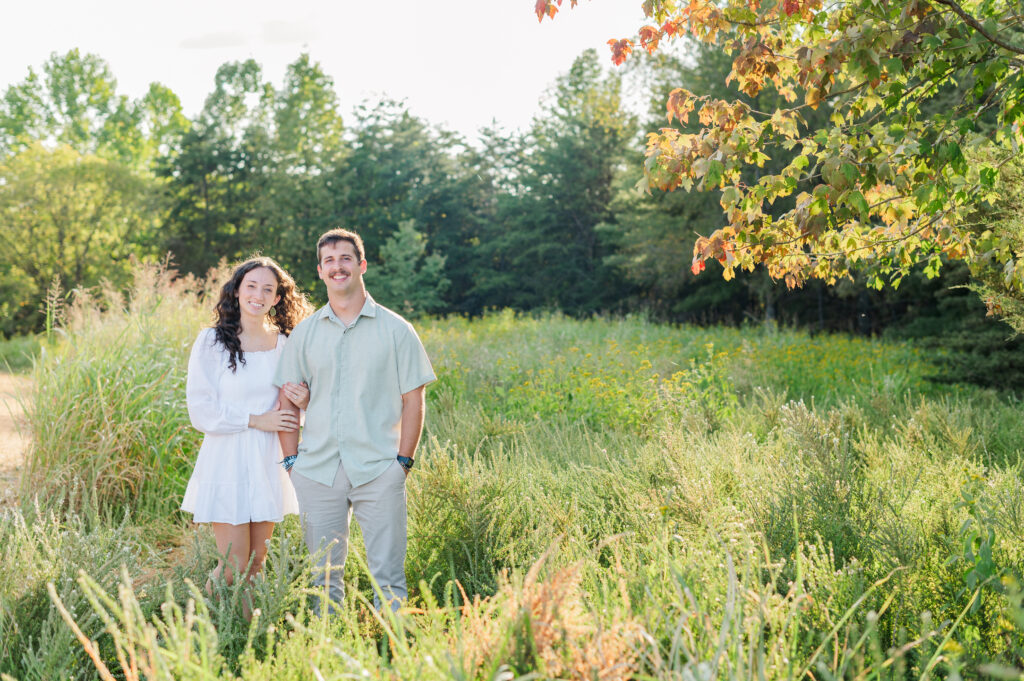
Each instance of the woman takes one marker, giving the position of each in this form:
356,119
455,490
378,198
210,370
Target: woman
238,484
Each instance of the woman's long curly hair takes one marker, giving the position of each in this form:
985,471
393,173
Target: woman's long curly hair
291,309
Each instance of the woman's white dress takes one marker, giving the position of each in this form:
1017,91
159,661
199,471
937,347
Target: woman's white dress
238,477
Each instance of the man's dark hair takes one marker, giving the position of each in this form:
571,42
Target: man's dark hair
336,235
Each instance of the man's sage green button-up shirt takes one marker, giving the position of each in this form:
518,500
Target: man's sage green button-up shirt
356,376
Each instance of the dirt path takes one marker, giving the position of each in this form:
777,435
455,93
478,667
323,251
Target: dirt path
13,438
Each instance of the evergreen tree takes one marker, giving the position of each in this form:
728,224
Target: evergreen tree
544,248
401,168
407,279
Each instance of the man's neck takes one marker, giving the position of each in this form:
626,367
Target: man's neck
347,307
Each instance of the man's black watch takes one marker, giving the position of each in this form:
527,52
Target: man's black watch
406,463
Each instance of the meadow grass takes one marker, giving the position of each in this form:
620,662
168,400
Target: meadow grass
18,352
603,499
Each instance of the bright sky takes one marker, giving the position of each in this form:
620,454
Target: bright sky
461,64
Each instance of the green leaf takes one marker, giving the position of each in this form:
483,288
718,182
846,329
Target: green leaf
713,176
857,201
730,196
988,177
850,172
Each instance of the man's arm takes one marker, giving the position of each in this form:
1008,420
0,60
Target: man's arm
413,410
289,439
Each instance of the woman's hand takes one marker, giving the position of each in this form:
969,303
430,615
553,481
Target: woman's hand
298,393
275,420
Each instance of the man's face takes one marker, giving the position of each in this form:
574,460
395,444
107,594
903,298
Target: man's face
340,268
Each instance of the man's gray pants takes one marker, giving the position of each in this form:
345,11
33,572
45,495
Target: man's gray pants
379,507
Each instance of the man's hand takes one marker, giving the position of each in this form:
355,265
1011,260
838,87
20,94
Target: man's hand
297,394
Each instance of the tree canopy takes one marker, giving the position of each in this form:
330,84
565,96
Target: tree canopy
892,180
550,217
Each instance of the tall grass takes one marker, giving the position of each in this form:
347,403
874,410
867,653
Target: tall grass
17,353
107,416
598,499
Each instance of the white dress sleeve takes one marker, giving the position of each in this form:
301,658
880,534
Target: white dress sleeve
206,410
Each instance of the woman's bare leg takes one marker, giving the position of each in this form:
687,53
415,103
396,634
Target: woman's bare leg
259,534
233,543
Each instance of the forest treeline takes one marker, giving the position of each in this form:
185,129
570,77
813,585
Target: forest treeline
550,218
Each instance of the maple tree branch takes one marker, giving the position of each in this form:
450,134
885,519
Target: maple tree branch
921,226
751,24
976,25
870,245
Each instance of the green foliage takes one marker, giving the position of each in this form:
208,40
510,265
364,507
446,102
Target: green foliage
408,280
399,168
254,172
550,219
1000,229
18,353
73,102
544,247
72,219
38,549
107,419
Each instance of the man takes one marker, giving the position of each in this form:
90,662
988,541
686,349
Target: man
366,370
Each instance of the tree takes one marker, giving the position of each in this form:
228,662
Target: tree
66,216
74,102
888,185
400,168
257,170
407,279
657,229
1001,223
300,197
544,247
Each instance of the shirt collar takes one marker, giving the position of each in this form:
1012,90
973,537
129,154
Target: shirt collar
369,309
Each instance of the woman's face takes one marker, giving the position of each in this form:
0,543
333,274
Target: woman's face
258,292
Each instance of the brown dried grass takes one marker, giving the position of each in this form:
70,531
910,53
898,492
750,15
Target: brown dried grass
543,625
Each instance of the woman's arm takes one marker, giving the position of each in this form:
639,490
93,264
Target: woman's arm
209,414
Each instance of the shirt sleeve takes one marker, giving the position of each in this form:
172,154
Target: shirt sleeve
209,414
289,362
414,369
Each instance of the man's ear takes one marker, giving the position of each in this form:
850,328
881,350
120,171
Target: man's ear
362,267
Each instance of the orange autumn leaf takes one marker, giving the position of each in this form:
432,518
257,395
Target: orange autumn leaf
620,50
680,104
549,8
649,38
671,28
545,7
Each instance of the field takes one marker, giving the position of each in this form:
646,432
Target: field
598,499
